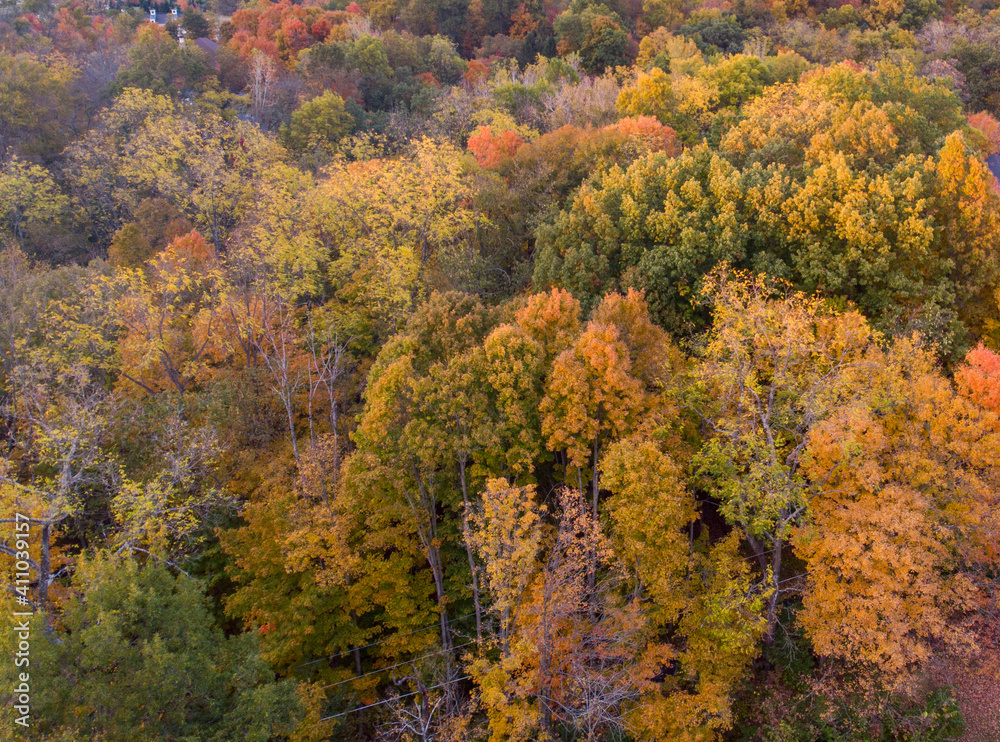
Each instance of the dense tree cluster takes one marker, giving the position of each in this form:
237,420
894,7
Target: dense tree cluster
443,370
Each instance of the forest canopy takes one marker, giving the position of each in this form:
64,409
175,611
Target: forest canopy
452,370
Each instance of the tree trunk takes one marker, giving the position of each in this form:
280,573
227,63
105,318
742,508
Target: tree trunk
772,603
430,542
544,669
466,536
356,652
291,432
594,483
44,567
435,560
595,487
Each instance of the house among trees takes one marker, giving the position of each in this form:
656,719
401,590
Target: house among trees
163,17
208,46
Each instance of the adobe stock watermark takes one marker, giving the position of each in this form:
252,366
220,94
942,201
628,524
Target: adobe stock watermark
21,622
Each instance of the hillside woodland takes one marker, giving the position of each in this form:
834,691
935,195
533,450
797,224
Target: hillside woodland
414,370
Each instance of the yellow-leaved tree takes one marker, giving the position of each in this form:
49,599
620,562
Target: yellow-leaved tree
146,144
774,366
390,226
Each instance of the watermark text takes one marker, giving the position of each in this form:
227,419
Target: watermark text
21,621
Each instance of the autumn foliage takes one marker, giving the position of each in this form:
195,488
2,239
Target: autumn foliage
491,149
419,371
978,378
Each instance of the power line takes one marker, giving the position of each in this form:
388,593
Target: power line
430,654
457,618
375,644
393,667
390,700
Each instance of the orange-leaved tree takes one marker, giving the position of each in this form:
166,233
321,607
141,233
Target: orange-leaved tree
170,316
978,378
907,526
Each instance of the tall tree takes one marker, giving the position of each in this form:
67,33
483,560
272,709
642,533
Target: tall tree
897,543
771,370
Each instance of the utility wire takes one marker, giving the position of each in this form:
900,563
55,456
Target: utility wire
390,700
375,644
393,667
459,618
